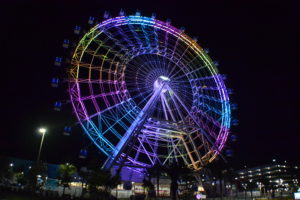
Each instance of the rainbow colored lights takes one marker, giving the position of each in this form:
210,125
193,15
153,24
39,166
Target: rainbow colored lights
146,93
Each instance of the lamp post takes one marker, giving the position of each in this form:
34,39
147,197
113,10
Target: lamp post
42,131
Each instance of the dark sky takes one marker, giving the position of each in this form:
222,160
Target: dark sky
256,44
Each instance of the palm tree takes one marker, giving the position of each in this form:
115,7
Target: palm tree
31,176
251,186
101,183
148,186
84,174
188,178
112,182
66,174
175,171
95,180
5,171
156,171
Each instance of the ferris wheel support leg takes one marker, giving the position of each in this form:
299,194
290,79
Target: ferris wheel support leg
134,129
206,135
189,137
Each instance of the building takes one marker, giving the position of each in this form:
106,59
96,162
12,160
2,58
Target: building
276,176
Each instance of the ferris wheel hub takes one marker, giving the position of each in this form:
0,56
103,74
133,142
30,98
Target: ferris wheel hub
160,81
146,93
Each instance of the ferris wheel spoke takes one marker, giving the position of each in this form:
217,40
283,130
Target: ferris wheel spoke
135,127
172,152
194,149
206,78
181,152
166,41
147,62
190,154
116,71
168,107
118,121
112,37
211,98
147,67
177,108
172,55
152,147
148,41
157,64
145,151
138,40
164,108
124,36
209,118
102,46
188,73
139,88
138,151
98,96
188,135
146,90
212,109
183,53
195,121
92,81
121,104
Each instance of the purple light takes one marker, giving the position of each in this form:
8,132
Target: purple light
198,196
135,78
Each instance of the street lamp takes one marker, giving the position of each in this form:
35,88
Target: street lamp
42,131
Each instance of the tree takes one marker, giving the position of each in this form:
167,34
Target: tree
20,178
84,174
66,174
148,187
112,182
6,172
156,171
251,186
33,173
175,171
101,183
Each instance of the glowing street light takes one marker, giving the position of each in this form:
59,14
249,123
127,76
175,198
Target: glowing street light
42,131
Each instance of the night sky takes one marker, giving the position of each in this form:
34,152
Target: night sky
256,44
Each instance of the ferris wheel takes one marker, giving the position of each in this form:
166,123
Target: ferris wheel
146,93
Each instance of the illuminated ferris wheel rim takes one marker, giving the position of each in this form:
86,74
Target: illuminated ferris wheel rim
122,20
145,21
